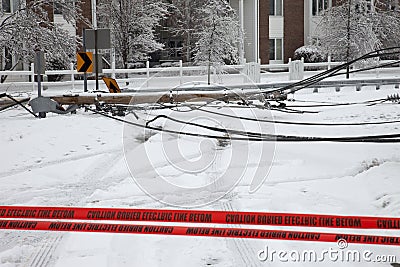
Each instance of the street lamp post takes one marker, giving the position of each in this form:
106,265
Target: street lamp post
348,40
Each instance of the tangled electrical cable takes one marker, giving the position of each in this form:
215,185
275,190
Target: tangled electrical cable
202,107
300,123
231,134
292,88
260,137
369,102
251,136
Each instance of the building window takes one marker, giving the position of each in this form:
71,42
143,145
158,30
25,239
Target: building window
173,50
10,6
275,7
6,5
275,49
364,7
394,5
319,6
57,9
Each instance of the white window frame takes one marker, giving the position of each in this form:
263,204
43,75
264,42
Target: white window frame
315,5
13,6
274,12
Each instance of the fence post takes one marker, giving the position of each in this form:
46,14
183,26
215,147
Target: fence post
397,86
147,72
289,68
180,72
113,74
113,69
33,75
71,67
329,62
296,71
215,74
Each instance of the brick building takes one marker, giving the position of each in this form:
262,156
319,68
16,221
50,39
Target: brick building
274,29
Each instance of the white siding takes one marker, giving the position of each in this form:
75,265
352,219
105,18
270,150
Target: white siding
307,23
251,30
58,19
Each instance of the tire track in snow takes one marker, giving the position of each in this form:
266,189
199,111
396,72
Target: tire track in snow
54,162
242,247
47,253
246,254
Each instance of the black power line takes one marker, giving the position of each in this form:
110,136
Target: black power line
20,103
260,137
300,123
334,71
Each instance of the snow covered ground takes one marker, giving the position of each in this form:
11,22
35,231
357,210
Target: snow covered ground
78,160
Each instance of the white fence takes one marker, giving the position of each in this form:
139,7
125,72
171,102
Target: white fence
175,75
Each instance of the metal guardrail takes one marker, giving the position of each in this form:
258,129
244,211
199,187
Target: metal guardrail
277,85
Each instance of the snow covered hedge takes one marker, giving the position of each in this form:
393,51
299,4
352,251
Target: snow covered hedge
310,53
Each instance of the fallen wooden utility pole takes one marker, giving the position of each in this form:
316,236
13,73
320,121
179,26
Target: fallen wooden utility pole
7,102
132,99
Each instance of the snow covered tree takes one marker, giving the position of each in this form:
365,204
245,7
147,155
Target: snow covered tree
355,27
132,24
218,35
184,19
30,27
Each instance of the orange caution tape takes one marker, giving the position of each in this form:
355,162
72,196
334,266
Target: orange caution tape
69,226
200,216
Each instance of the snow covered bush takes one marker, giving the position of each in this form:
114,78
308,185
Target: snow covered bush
310,53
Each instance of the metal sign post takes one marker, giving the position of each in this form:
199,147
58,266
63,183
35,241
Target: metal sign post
39,68
84,50
96,59
97,39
